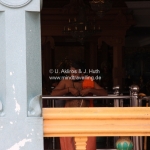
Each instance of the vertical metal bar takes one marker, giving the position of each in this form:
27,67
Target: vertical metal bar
145,138
140,102
134,143
116,104
134,89
53,140
121,101
149,103
53,105
141,143
134,101
137,142
130,98
140,138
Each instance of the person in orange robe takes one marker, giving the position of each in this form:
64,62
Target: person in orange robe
77,87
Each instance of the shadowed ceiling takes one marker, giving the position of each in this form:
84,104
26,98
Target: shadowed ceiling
139,32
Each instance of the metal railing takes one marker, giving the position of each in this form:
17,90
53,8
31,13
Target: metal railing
86,97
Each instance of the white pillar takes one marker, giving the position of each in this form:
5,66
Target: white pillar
21,124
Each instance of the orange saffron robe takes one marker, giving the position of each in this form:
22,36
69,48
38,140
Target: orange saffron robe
68,143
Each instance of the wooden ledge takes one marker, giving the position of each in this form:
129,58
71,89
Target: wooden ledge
100,121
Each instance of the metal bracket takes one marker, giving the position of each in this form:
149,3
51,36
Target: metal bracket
35,108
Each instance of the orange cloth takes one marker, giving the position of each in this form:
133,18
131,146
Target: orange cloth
88,83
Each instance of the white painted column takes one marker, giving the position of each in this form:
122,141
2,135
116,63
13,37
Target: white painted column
21,123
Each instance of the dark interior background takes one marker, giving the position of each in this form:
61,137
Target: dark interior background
125,27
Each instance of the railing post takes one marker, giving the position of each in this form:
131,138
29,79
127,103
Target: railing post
116,92
134,89
52,104
116,104
141,95
53,140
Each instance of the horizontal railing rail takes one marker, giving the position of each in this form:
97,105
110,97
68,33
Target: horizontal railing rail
86,97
